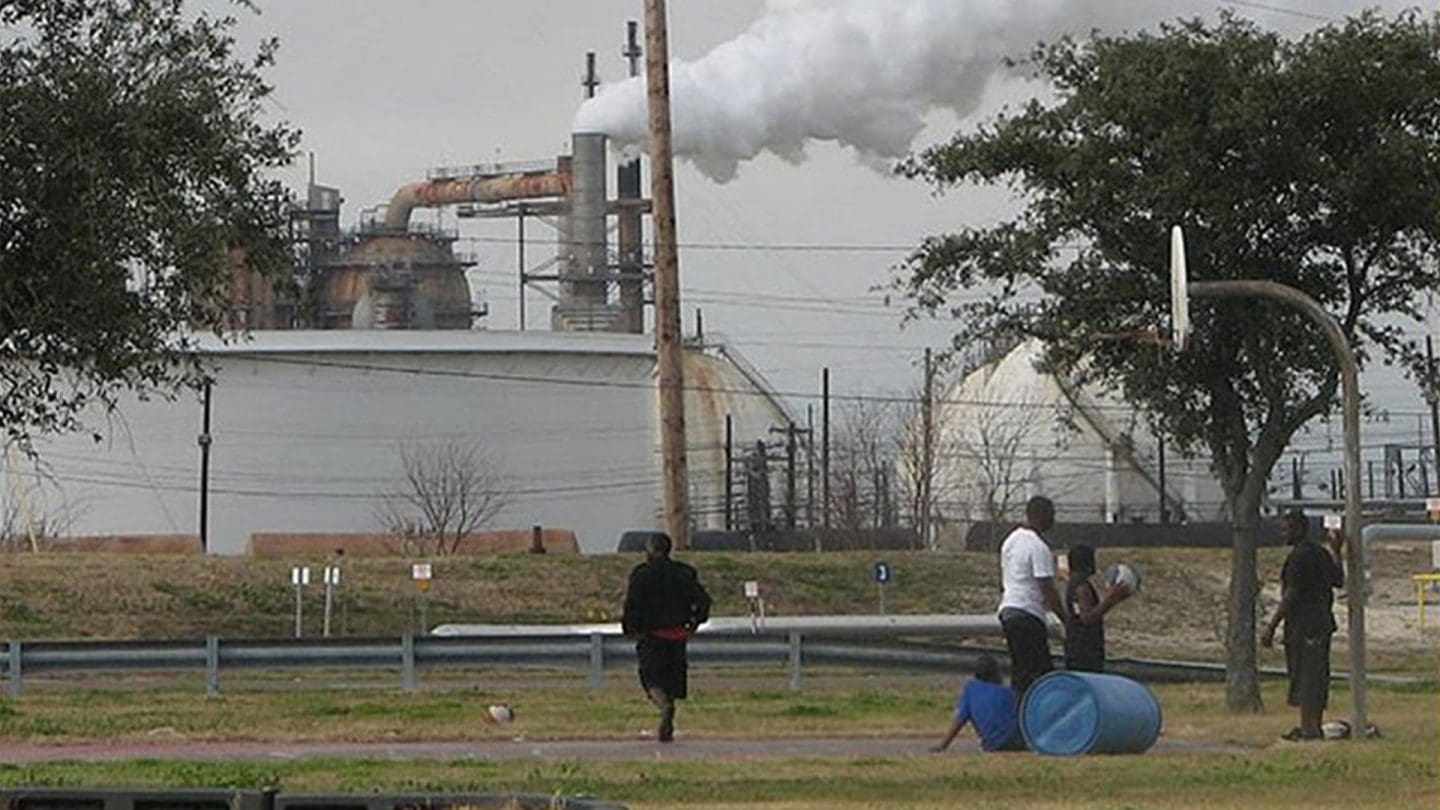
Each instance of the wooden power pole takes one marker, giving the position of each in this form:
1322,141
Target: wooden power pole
668,349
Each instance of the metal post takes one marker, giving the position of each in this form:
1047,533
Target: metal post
1400,473
796,673
408,680
1350,385
1164,507
299,623
791,507
824,452
810,466
1432,393
668,348
212,666
204,442
597,661
927,450
16,672
520,248
329,600
729,474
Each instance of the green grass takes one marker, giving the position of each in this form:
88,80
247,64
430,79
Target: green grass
1243,767
1379,774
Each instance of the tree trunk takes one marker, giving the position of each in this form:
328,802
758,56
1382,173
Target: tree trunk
1242,678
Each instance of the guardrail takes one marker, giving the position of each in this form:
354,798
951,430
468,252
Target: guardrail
592,654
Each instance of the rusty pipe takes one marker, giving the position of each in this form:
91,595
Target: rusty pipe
476,189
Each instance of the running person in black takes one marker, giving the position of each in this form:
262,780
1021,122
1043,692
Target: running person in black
1085,613
664,604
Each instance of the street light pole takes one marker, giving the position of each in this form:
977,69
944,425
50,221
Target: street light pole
1350,385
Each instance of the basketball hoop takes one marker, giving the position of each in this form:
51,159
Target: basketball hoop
1179,291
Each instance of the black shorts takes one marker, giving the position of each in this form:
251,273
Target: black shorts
1307,662
662,666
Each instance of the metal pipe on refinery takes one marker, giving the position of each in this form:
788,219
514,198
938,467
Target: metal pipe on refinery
477,190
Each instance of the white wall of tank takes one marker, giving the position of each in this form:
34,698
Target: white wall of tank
308,428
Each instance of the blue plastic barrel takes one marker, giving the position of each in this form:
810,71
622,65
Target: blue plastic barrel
1070,713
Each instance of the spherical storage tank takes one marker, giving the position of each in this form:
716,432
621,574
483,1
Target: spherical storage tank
395,281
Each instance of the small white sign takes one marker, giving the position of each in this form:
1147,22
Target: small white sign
1432,505
1334,522
300,575
420,571
332,575
752,589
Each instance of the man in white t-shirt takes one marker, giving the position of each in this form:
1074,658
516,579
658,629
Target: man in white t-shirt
1027,574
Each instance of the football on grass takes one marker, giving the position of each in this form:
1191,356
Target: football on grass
499,714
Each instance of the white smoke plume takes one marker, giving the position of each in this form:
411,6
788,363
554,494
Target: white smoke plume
861,73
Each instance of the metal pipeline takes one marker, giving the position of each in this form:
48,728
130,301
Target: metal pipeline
474,189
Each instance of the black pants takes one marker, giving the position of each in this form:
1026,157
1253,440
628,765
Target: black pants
662,666
1029,649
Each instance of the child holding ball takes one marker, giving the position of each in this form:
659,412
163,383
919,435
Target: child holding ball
1085,613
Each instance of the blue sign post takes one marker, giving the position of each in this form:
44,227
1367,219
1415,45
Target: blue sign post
883,574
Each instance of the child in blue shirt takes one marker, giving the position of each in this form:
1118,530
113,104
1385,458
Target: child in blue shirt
989,705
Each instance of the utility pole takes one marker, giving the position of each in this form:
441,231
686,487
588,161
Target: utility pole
204,442
668,349
927,450
824,452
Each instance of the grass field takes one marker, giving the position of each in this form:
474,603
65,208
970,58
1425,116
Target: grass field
1250,769
1232,761
1179,615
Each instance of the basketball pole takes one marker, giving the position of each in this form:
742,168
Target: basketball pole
1181,289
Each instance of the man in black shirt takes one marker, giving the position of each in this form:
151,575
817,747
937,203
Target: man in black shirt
664,604
1310,574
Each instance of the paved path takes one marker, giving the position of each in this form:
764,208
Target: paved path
521,749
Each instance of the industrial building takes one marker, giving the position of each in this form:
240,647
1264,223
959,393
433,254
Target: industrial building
1007,430
380,345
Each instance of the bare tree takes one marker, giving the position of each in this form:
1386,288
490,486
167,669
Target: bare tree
450,488
993,450
862,459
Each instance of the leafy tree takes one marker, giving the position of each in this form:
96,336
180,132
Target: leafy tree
1310,162
134,180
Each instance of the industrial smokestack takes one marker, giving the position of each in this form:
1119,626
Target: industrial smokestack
587,266
861,73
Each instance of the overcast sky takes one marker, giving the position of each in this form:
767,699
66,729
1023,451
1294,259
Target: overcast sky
385,90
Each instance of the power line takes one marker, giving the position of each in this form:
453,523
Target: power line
1308,15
